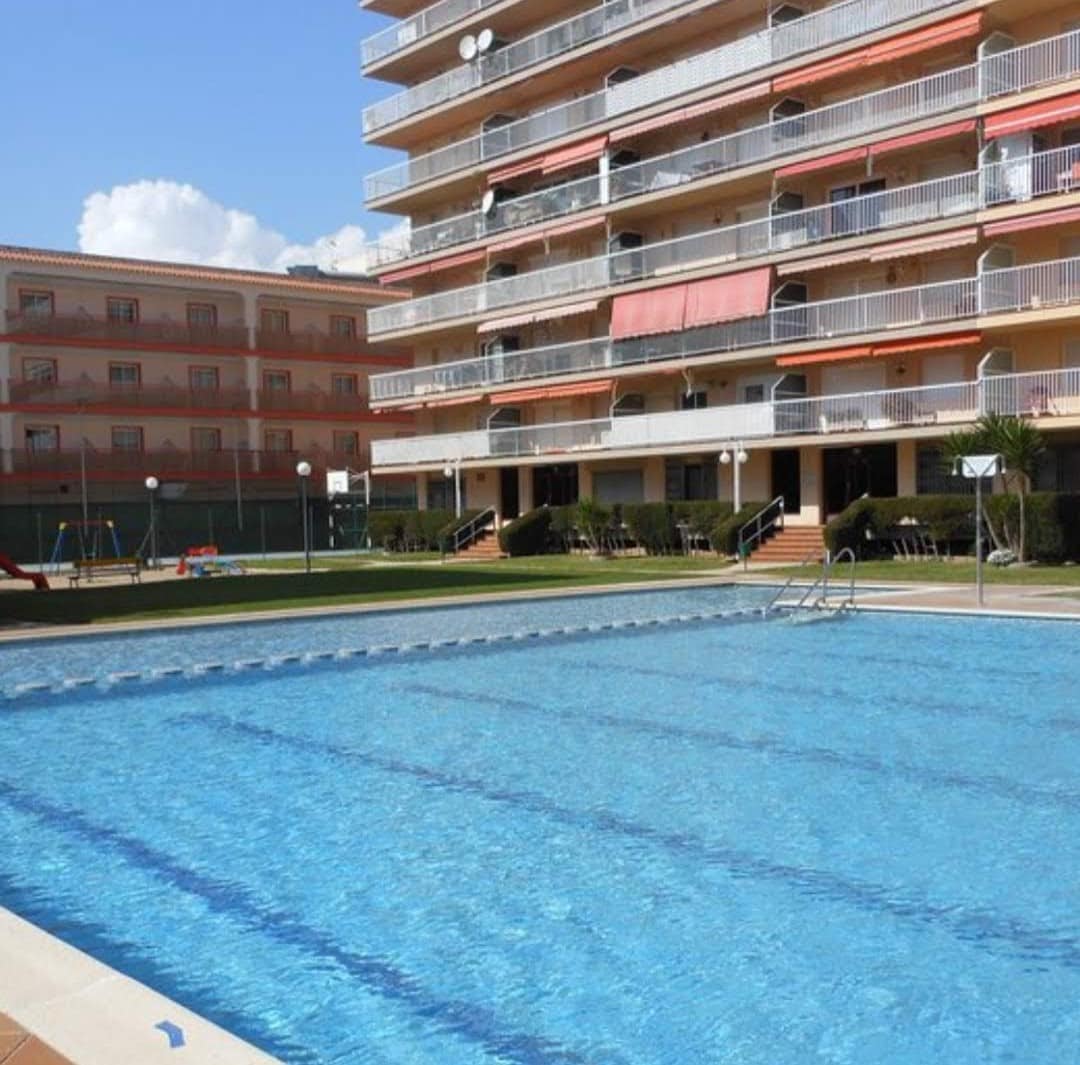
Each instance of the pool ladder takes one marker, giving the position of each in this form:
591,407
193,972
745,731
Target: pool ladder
820,584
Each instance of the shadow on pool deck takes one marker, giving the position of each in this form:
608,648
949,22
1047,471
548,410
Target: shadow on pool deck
19,1047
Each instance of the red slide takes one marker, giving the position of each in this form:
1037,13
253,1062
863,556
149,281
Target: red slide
38,579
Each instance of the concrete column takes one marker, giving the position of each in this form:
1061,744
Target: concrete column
525,489
251,379
254,437
811,489
605,177
584,481
7,441
653,479
5,371
251,317
421,491
905,467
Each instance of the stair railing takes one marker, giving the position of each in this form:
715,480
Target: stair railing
821,581
812,556
770,517
471,530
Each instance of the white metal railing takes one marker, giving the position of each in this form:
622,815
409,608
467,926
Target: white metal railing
1015,288
912,204
424,23
818,29
1046,393
1011,71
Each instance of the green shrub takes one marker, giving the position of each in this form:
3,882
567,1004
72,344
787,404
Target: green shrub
595,523
724,535
443,534
947,518
407,530
1053,523
528,535
652,525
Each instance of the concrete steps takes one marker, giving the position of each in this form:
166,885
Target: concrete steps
484,547
792,544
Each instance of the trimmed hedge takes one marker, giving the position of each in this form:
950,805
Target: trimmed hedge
1052,523
652,526
725,532
946,518
414,530
528,535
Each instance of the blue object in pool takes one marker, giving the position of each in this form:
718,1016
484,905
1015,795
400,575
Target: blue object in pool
756,843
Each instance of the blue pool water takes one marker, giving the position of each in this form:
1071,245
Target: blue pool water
749,842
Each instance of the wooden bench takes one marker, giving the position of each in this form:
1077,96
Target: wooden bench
97,567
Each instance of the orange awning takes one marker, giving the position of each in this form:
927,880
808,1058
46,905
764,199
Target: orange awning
499,324
640,314
1033,221
912,140
538,235
836,355
723,299
954,238
827,68
1033,116
452,401
707,107
823,162
434,267
871,351
582,152
528,395
506,173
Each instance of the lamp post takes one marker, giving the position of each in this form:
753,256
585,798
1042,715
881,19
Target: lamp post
303,471
455,472
736,473
152,484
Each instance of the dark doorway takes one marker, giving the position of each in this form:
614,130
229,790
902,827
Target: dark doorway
851,472
786,478
555,486
509,504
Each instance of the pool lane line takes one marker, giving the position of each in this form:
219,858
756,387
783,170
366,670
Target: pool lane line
37,692
468,1021
978,928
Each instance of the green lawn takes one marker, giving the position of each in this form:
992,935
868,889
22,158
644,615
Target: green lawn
355,583
961,571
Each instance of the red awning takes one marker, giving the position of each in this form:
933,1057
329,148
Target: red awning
864,351
1033,116
640,314
497,325
707,107
528,395
953,29
823,162
1032,221
538,235
954,238
506,173
582,152
827,68
912,140
722,299
434,267
903,347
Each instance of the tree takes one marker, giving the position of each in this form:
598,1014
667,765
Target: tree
593,522
1019,444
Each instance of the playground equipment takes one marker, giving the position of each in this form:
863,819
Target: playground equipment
39,580
91,537
204,562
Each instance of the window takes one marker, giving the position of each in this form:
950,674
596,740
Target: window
205,439
276,380
124,310
127,438
277,440
42,438
203,378
201,315
346,443
694,400
274,321
124,375
41,371
855,217
631,403
36,304
343,384
342,325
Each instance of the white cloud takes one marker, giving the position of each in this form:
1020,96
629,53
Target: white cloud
180,223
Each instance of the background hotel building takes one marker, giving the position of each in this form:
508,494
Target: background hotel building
215,381
647,231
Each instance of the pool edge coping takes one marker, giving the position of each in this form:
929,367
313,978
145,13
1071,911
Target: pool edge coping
94,1014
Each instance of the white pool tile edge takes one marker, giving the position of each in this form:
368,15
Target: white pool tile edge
94,1015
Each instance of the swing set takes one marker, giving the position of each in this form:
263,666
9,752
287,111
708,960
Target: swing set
91,538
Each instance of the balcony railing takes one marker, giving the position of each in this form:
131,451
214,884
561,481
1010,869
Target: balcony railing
310,342
842,22
165,463
85,327
1011,71
424,23
1042,394
312,402
101,394
1013,289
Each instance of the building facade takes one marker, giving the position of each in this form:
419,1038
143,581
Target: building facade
651,237
216,382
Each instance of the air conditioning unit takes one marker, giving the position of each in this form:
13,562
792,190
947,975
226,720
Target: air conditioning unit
497,271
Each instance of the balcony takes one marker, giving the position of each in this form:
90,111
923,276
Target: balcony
313,403
1005,72
1045,394
91,331
165,463
1036,287
87,394
423,24
310,342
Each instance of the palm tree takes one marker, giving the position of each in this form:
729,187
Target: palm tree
1019,444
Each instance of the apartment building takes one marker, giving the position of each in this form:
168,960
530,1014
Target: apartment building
680,249
216,382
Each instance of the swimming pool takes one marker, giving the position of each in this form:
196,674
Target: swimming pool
751,842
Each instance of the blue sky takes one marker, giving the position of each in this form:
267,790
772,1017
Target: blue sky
254,102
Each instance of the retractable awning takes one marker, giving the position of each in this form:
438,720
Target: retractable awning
433,267
823,162
551,162
684,114
642,314
871,351
549,232
723,299
530,395
926,136
1032,221
1032,116
499,325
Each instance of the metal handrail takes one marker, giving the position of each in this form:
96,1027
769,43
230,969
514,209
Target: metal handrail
761,526
823,580
468,532
811,556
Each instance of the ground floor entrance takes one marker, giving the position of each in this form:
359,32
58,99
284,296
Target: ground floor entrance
851,472
555,486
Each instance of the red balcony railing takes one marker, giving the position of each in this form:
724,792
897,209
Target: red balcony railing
312,402
85,328
311,342
85,393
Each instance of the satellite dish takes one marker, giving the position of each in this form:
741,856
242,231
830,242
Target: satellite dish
467,48
484,40
487,204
